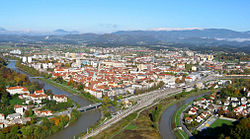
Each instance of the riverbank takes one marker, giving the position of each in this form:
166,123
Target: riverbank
71,90
179,133
146,124
77,126
50,125
176,119
33,72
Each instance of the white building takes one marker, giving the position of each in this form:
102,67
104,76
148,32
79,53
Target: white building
19,109
29,59
13,116
194,68
16,52
24,60
17,90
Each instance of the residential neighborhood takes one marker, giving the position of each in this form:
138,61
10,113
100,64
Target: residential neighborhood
202,113
114,72
31,101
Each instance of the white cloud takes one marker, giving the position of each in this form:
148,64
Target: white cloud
233,39
176,29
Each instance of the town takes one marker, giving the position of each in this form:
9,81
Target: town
117,79
136,69
126,71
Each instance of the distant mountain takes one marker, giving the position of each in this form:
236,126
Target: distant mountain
2,29
192,37
63,32
248,32
176,35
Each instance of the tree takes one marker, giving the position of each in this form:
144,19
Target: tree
242,129
27,131
2,136
236,92
28,113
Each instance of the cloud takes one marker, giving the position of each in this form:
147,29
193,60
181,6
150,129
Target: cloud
113,26
233,39
176,29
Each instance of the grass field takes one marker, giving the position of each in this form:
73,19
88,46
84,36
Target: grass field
220,122
130,127
180,134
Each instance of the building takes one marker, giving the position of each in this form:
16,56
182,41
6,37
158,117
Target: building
29,59
43,113
19,109
17,90
188,120
2,116
39,92
13,116
200,85
60,98
194,68
16,52
24,60
1,125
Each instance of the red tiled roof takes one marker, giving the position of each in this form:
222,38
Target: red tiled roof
39,91
60,96
25,89
17,106
16,87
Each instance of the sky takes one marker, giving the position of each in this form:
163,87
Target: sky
102,16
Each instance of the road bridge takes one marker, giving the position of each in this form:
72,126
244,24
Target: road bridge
89,107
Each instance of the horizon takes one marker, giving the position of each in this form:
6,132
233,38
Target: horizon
110,16
79,32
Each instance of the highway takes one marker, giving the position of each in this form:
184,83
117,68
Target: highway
143,100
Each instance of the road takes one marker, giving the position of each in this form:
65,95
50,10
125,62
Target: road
143,100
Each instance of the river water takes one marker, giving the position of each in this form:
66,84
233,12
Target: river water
86,120
166,131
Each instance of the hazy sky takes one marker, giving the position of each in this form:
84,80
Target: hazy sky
111,15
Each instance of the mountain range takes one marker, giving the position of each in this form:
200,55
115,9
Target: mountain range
196,37
33,33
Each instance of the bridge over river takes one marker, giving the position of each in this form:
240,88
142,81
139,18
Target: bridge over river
89,107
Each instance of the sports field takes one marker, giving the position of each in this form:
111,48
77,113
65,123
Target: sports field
220,122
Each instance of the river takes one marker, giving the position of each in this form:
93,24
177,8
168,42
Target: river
86,120
166,131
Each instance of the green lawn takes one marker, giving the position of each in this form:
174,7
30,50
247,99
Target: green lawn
180,134
16,101
130,127
220,122
177,114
